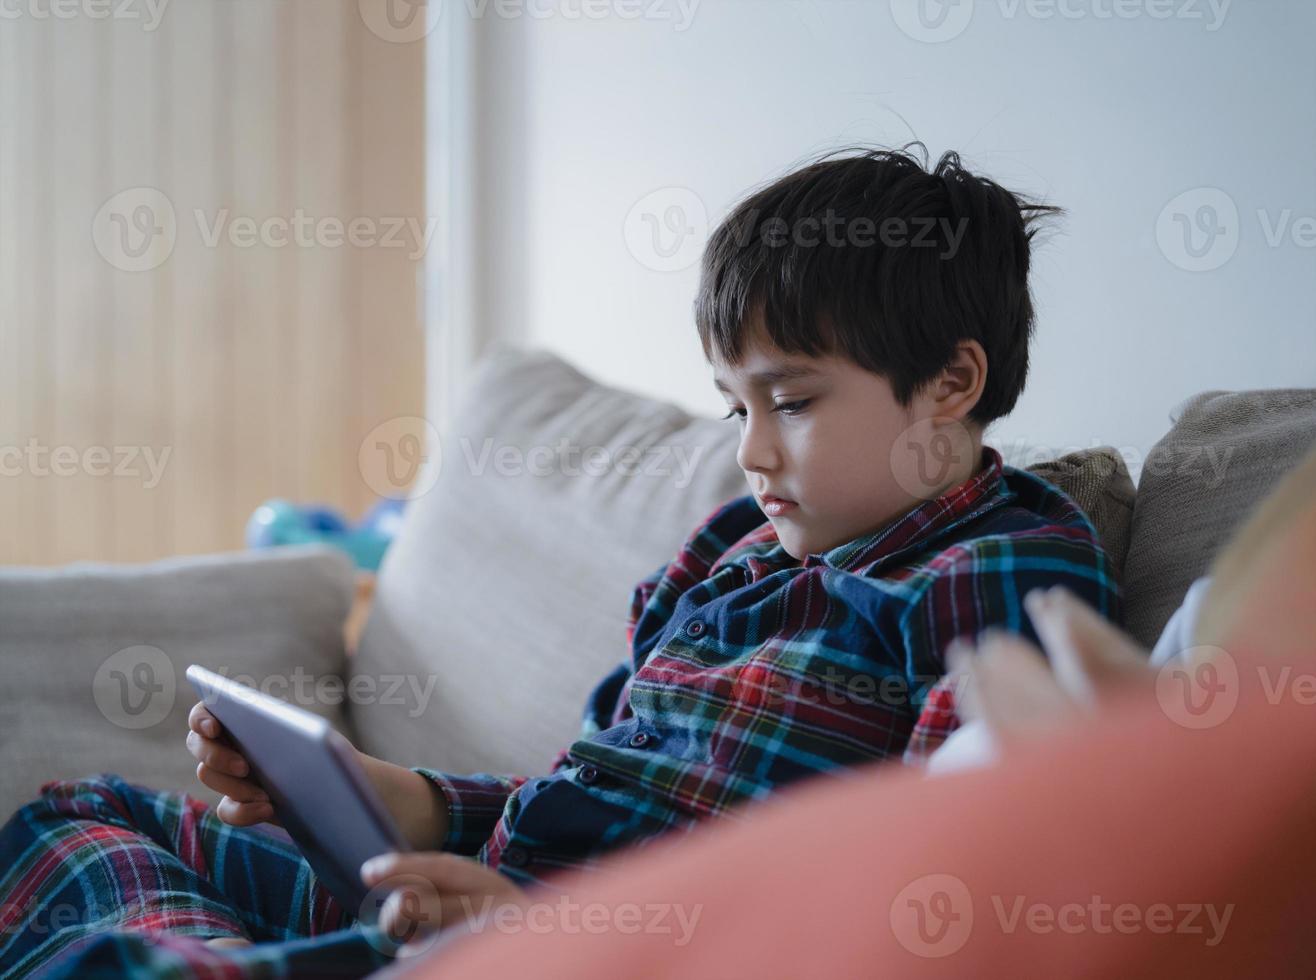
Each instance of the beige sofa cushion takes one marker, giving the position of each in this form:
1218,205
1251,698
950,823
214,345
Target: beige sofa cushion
1222,457
1098,481
92,657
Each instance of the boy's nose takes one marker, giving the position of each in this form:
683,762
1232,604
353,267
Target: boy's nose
758,453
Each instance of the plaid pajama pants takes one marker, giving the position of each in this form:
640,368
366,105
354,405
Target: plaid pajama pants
103,878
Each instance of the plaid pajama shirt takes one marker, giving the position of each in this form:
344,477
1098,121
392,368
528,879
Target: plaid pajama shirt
747,670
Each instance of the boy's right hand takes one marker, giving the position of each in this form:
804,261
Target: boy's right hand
223,769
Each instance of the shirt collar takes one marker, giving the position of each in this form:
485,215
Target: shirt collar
762,552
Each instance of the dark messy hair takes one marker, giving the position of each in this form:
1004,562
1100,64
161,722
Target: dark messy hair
867,253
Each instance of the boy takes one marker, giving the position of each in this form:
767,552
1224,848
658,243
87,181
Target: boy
865,320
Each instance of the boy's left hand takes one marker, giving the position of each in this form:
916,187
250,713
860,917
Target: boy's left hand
434,890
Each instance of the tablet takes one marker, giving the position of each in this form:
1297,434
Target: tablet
321,795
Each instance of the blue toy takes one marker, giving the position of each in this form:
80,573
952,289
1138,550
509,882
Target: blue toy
281,522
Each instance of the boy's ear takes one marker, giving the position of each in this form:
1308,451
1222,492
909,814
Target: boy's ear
961,383
1091,658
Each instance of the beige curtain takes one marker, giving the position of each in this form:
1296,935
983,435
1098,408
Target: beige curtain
212,226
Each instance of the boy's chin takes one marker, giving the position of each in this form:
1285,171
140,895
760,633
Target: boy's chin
792,544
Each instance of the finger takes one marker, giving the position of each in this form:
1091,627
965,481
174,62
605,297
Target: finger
244,814
1090,656
448,872
963,686
408,914
241,790
201,721
1017,694
217,756
410,911
1087,626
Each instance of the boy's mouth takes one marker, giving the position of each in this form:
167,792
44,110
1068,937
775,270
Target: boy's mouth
776,506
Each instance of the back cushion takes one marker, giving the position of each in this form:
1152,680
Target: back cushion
1225,452
92,657
1098,481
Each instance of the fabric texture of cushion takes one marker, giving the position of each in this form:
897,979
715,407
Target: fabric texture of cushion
1224,454
1098,481
94,658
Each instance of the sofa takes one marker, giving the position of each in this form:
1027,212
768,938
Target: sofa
504,597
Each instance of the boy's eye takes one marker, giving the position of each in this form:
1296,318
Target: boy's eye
792,408
786,408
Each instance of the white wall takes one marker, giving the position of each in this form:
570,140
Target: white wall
1112,117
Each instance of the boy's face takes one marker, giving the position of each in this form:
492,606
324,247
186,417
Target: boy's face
835,443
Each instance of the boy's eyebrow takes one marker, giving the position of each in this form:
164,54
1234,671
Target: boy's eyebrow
787,372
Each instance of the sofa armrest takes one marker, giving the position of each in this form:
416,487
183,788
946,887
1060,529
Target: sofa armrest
92,657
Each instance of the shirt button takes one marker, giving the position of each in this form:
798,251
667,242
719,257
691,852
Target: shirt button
516,857
695,628
639,740
588,775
